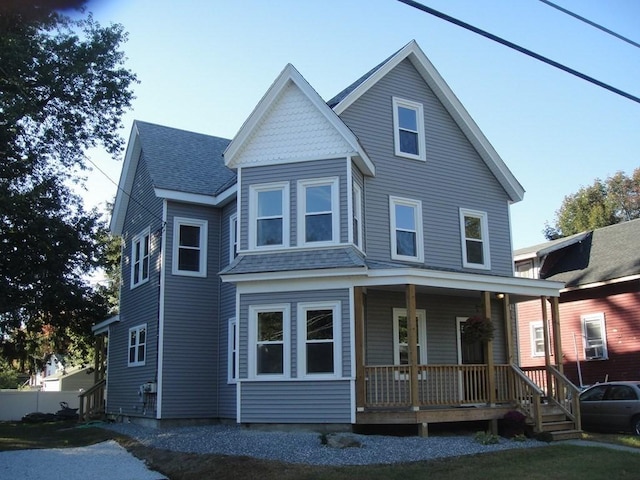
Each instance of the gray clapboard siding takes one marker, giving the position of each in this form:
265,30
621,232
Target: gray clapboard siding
441,312
292,173
296,402
191,325
452,177
139,303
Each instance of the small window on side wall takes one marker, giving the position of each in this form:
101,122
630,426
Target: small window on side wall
140,249
137,345
474,230
595,337
189,247
408,129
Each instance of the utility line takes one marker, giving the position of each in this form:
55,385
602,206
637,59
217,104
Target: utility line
593,24
520,49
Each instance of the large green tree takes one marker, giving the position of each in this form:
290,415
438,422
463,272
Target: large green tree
615,200
63,90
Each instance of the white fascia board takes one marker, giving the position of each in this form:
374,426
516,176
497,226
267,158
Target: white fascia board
464,281
525,256
290,74
196,198
604,283
455,108
125,183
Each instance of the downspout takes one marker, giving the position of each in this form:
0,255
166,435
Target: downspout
219,308
160,324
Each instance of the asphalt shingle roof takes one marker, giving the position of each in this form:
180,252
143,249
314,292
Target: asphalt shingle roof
605,254
185,161
347,257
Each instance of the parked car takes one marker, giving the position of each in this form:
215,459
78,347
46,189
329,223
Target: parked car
611,406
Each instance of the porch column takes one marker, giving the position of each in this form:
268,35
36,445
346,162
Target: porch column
557,337
358,298
412,339
491,372
547,348
508,330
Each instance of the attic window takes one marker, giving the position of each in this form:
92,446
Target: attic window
408,129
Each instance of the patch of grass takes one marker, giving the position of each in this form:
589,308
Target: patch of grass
615,438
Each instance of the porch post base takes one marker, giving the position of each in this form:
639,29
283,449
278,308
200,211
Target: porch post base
423,430
493,426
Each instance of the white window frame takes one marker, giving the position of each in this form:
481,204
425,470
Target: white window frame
357,217
484,230
254,191
254,310
422,334
332,182
419,110
303,308
594,317
232,349
137,329
233,237
533,326
417,208
140,239
203,226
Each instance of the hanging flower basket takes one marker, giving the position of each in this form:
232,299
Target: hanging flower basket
477,329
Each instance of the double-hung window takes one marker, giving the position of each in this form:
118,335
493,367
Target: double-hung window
594,334
408,129
140,247
137,345
269,341
401,336
232,348
269,215
474,230
318,211
233,237
537,339
189,247
406,229
357,216
319,339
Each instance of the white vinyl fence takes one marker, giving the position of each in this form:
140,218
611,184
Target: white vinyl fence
15,404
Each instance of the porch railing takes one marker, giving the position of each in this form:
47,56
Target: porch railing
528,396
564,394
438,385
92,402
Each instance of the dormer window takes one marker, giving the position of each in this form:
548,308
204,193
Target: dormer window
408,129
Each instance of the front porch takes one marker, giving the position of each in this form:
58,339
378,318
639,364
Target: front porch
417,393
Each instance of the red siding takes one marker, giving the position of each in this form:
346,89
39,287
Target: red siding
621,307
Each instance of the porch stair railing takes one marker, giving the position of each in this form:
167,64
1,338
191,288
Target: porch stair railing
92,402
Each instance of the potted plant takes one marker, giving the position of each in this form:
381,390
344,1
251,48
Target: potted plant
477,329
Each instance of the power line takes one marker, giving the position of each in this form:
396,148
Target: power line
593,24
520,49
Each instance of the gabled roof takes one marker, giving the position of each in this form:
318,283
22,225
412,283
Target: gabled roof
599,256
416,56
290,76
183,165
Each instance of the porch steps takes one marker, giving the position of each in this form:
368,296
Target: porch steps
556,426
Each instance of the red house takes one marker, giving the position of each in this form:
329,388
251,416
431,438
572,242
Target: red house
599,305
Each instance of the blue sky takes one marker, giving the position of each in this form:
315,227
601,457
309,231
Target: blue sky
203,66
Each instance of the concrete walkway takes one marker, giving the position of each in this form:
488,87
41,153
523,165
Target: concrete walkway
590,443
95,462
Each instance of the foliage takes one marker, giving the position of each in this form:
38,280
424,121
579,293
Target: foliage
615,200
9,376
477,329
486,438
63,89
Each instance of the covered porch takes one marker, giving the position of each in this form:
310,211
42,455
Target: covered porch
443,379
